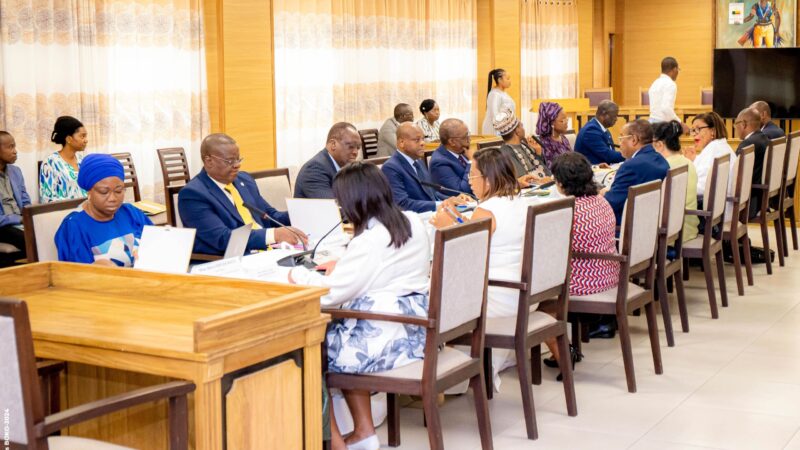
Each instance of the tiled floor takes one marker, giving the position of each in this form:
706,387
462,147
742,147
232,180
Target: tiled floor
732,383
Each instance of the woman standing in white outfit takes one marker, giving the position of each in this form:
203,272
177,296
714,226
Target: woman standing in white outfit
497,99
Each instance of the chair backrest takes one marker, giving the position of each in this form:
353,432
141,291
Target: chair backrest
774,164
369,142
639,230
547,246
378,161
459,276
673,201
706,95
597,95
174,166
171,202
792,158
21,392
717,188
131,179
274,186
492,143
41,223
743,171
644,96
571,137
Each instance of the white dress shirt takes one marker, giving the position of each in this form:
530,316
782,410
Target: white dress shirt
705,160
372,267
270,238
662,99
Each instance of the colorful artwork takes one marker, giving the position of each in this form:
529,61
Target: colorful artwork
756,23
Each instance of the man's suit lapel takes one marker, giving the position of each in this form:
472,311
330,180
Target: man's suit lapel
413,172
220,197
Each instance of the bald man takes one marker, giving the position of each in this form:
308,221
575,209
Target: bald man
449,163
213,202
407,173
768,127
748,126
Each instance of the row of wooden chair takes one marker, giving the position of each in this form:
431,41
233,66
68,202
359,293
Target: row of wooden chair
597,95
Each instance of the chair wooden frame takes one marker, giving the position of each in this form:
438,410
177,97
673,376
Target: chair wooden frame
369,142
703,90
771,204
39,427
600,90
527,343
623,306
430,385
711,246
666,268
273,173
790,185
642,91
737,235
131,178
495,143
378,161
172,220
31,249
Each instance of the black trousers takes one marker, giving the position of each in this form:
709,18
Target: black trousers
16,237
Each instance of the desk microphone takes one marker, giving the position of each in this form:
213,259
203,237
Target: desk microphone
441,188
314,250
537,140
297,259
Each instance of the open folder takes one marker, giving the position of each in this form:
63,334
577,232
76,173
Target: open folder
165,249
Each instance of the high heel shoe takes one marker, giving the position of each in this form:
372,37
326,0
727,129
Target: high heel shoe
575,356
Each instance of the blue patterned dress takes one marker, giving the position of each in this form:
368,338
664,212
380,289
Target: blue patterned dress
58,180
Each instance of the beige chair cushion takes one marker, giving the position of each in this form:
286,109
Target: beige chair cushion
698,241
609,296
7,248
76,443
505,326
449,359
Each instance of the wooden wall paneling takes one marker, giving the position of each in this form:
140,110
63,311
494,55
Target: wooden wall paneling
499,46
485,55
586,45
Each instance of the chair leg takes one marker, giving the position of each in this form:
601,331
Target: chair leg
432,418
488,372
737,266
712,297
748,260
765,241
627,353
723,290
565,364
585,332
779,239
681,294
482,410
393,419
685,269
793,224
663,299
527,392
652,329
576,333
536,364
178,423
784,233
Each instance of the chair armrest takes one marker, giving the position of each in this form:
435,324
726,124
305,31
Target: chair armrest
337,313
592,255
762,187
50,367
97,408
509,284
205,257
731,199
697,212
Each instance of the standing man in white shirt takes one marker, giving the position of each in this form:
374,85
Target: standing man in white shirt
663,92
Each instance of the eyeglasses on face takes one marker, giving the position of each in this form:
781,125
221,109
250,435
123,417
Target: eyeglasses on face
229,162
697,130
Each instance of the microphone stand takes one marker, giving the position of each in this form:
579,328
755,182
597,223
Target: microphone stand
291,260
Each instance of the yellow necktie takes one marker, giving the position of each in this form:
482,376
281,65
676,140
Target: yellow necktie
244,213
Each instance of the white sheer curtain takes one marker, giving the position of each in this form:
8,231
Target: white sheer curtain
132,72
350,60
549,59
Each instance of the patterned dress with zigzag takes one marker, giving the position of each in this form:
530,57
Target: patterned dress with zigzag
593,231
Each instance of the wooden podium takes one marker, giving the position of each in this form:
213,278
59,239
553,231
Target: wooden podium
252,349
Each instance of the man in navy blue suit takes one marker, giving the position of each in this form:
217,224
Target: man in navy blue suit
315,179
407,173
768,127
594,140
213,202
449,164
643,164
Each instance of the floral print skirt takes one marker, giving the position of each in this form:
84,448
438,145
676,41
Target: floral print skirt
366,346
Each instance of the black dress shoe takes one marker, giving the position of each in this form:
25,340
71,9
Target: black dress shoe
603,331
574,357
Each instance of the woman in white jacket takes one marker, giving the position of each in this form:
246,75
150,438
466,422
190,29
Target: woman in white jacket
497,99
710,136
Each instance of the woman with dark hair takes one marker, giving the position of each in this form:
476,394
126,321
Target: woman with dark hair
385,269
551,127
666,141
710,136
497,99
58,176
429,122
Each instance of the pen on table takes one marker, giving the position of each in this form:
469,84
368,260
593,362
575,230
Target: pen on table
453,215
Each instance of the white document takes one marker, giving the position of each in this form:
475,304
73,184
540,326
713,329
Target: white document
237,244
165,249
261,266
315,217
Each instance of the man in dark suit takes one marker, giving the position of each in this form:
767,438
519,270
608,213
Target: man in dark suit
406,172
315,179
643,164
594,140
13,199
748,124
213,202
771,130
449,164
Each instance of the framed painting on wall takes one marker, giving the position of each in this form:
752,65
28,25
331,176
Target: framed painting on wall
755,23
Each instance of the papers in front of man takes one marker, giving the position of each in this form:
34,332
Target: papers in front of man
262,266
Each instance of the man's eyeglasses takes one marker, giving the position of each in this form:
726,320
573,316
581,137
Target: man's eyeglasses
624,136
229,162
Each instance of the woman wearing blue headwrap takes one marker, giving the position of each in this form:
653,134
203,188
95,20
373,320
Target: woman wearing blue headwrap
105,230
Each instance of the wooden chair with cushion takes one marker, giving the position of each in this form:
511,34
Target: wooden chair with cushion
41,223
29,428
174,220
670,235
770,192
706,95
274,186
571,137
644,96
131,179
545,275
734,228
457,308
494,143
638,237
378,161
787,206
597,95
369,142
707,245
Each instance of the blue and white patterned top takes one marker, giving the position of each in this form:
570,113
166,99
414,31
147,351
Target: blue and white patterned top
58,180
